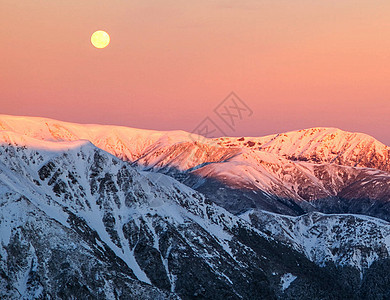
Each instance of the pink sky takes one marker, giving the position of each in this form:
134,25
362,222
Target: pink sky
296,64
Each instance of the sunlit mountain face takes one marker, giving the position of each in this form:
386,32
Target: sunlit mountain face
112,212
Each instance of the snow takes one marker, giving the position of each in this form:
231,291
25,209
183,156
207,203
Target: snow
345,239
325,144
18,175
123,142
265,167
286,280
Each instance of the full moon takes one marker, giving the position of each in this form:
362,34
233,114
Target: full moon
100,39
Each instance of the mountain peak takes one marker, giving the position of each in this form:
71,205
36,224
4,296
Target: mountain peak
315,145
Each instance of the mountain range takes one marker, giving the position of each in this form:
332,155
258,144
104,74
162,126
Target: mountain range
110,212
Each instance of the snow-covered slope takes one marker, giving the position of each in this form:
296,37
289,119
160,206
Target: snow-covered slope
78,220
70,209
317,145
314,168
320,145
41,258
346,240
123,142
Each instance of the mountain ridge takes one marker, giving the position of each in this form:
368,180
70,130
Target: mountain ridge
315,168
243,222
161,237
52,128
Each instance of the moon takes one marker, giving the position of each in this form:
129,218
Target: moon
100,39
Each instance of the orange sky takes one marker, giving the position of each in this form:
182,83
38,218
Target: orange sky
296,64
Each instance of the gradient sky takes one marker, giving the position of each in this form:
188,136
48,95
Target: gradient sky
295,63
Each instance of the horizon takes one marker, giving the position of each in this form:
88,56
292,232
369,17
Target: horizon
189,132
170,64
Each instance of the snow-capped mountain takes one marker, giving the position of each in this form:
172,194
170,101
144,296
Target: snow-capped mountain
306,165
70,210
320,145
316,145
123,142
86,210
318,169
